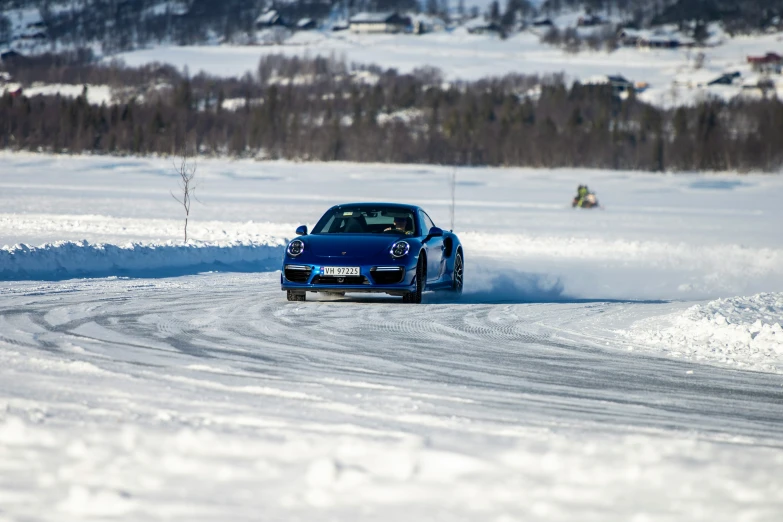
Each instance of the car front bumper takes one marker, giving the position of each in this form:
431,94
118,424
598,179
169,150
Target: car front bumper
392,279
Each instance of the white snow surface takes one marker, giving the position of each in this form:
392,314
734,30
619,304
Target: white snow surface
742,331
596,367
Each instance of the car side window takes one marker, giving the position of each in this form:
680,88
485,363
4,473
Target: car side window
428,224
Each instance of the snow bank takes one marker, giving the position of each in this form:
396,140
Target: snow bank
67,259
740,331
96,94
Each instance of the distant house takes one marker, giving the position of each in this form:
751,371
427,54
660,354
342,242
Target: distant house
542,22
14,89
761,83
270,18
10,56
423,23
305,24
620,85
490,28
33,36
769,63
379,23
725,79
629,38
589,21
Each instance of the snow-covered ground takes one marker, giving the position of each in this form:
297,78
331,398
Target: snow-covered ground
742,331
596,367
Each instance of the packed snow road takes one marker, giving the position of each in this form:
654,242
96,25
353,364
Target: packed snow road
209,395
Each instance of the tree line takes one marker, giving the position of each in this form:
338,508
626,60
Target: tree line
323,109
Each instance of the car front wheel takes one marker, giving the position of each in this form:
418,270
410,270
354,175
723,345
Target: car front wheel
421,274
296,296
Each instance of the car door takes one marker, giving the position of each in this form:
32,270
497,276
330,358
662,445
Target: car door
434,248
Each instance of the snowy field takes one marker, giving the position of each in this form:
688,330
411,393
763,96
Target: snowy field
615,364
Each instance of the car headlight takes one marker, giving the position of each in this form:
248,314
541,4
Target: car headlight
400,248
295,247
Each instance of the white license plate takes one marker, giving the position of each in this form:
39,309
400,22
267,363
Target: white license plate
341,271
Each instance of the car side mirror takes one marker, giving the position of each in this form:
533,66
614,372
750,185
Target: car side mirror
301,231
435,232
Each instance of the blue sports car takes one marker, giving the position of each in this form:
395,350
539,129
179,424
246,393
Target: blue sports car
373,247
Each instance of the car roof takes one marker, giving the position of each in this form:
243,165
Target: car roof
378,204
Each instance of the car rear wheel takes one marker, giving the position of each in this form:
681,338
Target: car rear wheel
296,296
421,274
458,274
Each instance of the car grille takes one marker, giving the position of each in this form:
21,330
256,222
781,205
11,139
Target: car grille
387,275
298,273
347,280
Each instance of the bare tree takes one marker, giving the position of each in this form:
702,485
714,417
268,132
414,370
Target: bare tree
453,194
187,188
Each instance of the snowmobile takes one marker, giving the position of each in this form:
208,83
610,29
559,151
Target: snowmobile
584,198
587,201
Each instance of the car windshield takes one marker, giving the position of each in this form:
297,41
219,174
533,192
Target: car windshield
367,220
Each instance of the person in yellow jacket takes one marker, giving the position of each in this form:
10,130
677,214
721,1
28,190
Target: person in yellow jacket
584,198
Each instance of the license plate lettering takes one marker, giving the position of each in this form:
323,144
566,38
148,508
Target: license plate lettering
341,271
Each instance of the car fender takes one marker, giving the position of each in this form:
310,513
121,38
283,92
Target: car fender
456,246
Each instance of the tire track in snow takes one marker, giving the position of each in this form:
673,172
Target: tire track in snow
531,356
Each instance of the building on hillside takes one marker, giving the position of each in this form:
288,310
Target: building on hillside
630,38
306,24
769,63
423,23
33,36
620,85
725,79
9,87
761,83
270,18
387,22
490,28
11,56
14,90
590,21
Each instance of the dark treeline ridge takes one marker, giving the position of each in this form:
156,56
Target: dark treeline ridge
323,109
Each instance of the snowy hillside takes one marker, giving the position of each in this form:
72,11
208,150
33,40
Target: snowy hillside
665,77
672,76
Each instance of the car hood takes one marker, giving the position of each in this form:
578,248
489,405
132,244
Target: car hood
349,246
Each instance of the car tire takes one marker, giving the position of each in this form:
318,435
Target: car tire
296,296
458,274
421,274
